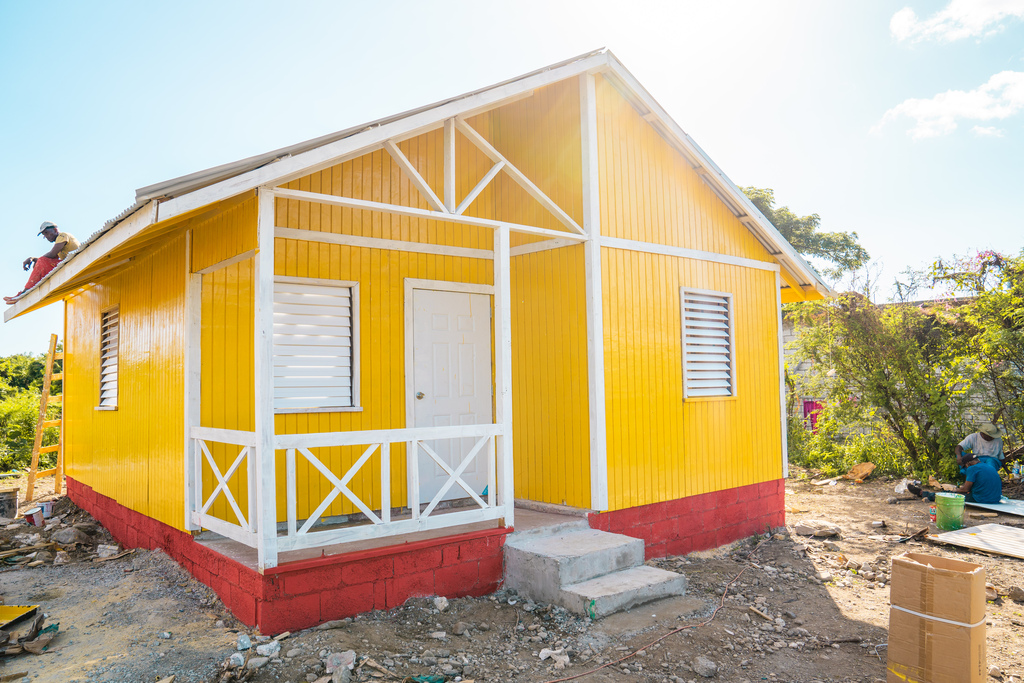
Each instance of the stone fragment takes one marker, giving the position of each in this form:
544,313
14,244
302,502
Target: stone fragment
166,635
257,662
104,551
1015,593
268,649
834,547
336,623
441,603
244,642
340,660
559,657
70,536
438,635
702,666
816,527
294,652
236,659
995,671
460,628
61,557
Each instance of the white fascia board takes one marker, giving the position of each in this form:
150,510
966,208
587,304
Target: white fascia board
788,256
319,158
89,256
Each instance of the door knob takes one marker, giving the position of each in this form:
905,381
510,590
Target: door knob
420,395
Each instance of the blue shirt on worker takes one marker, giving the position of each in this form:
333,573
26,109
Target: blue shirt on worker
986,487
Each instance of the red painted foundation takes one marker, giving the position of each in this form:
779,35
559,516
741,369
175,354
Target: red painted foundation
681,526
302,594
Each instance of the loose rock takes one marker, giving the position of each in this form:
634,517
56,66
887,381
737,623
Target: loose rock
70,536
703,666
441,603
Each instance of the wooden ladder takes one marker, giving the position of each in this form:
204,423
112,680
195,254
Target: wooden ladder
44,403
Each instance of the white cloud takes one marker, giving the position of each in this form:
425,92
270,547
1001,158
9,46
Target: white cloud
988,132
1001,97
959,19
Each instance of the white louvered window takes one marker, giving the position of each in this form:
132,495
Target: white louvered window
315,357
708,344
109,333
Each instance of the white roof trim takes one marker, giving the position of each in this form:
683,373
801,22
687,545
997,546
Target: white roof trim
196,190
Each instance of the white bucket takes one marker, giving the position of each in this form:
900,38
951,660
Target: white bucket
47,507
34,517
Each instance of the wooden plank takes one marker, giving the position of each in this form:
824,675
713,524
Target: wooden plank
494,155
363,204
53,470
46,424
417,180
44,402
50,449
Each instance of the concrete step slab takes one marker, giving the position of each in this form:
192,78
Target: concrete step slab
622,590
539,566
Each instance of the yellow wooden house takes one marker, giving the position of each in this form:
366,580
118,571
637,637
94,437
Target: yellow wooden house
543,290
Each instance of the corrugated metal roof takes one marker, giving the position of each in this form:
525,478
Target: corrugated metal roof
194,181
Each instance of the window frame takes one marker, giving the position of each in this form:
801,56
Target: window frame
729,299
117,359
353,287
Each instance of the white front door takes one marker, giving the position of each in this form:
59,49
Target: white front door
451,381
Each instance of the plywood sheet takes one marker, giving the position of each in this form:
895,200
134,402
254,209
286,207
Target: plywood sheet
1005,506
991,538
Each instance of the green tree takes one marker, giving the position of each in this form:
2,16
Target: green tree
838,248
21,372
991,331
894,389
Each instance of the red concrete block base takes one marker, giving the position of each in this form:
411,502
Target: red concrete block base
678,527
302,594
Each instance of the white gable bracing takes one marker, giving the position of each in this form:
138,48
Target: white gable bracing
163,202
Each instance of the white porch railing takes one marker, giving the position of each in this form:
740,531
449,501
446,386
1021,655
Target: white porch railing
245,530
306,536
496,504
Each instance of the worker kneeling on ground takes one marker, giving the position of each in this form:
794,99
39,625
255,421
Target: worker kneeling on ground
63,244
986,445
983,484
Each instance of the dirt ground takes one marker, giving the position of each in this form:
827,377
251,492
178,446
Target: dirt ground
140,618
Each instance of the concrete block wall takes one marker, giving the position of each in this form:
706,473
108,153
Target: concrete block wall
302,594
708,520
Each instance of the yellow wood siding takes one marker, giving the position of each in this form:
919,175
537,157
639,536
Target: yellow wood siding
660,448
132,454
649,192
549,384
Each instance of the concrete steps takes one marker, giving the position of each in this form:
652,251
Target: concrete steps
589,572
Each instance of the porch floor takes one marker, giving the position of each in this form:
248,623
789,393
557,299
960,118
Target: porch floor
526,519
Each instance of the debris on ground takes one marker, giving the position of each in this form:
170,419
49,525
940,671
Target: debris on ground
809,608
860,472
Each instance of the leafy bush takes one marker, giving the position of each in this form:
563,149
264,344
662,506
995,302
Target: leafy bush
18,414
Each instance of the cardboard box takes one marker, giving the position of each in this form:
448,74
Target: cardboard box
936,621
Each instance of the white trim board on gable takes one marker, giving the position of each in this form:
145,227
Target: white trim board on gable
183,195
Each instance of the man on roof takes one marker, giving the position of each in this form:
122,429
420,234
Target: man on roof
63,244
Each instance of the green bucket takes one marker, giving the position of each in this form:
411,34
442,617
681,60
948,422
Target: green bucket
949,511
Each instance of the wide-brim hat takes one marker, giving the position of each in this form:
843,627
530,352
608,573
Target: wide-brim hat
46,226
989,429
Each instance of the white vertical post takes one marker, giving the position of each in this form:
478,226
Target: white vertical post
782,381
449,165
385,482
191,384
414,478
594,298
291,494
265,470
503,370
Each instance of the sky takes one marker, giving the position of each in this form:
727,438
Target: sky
901,121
